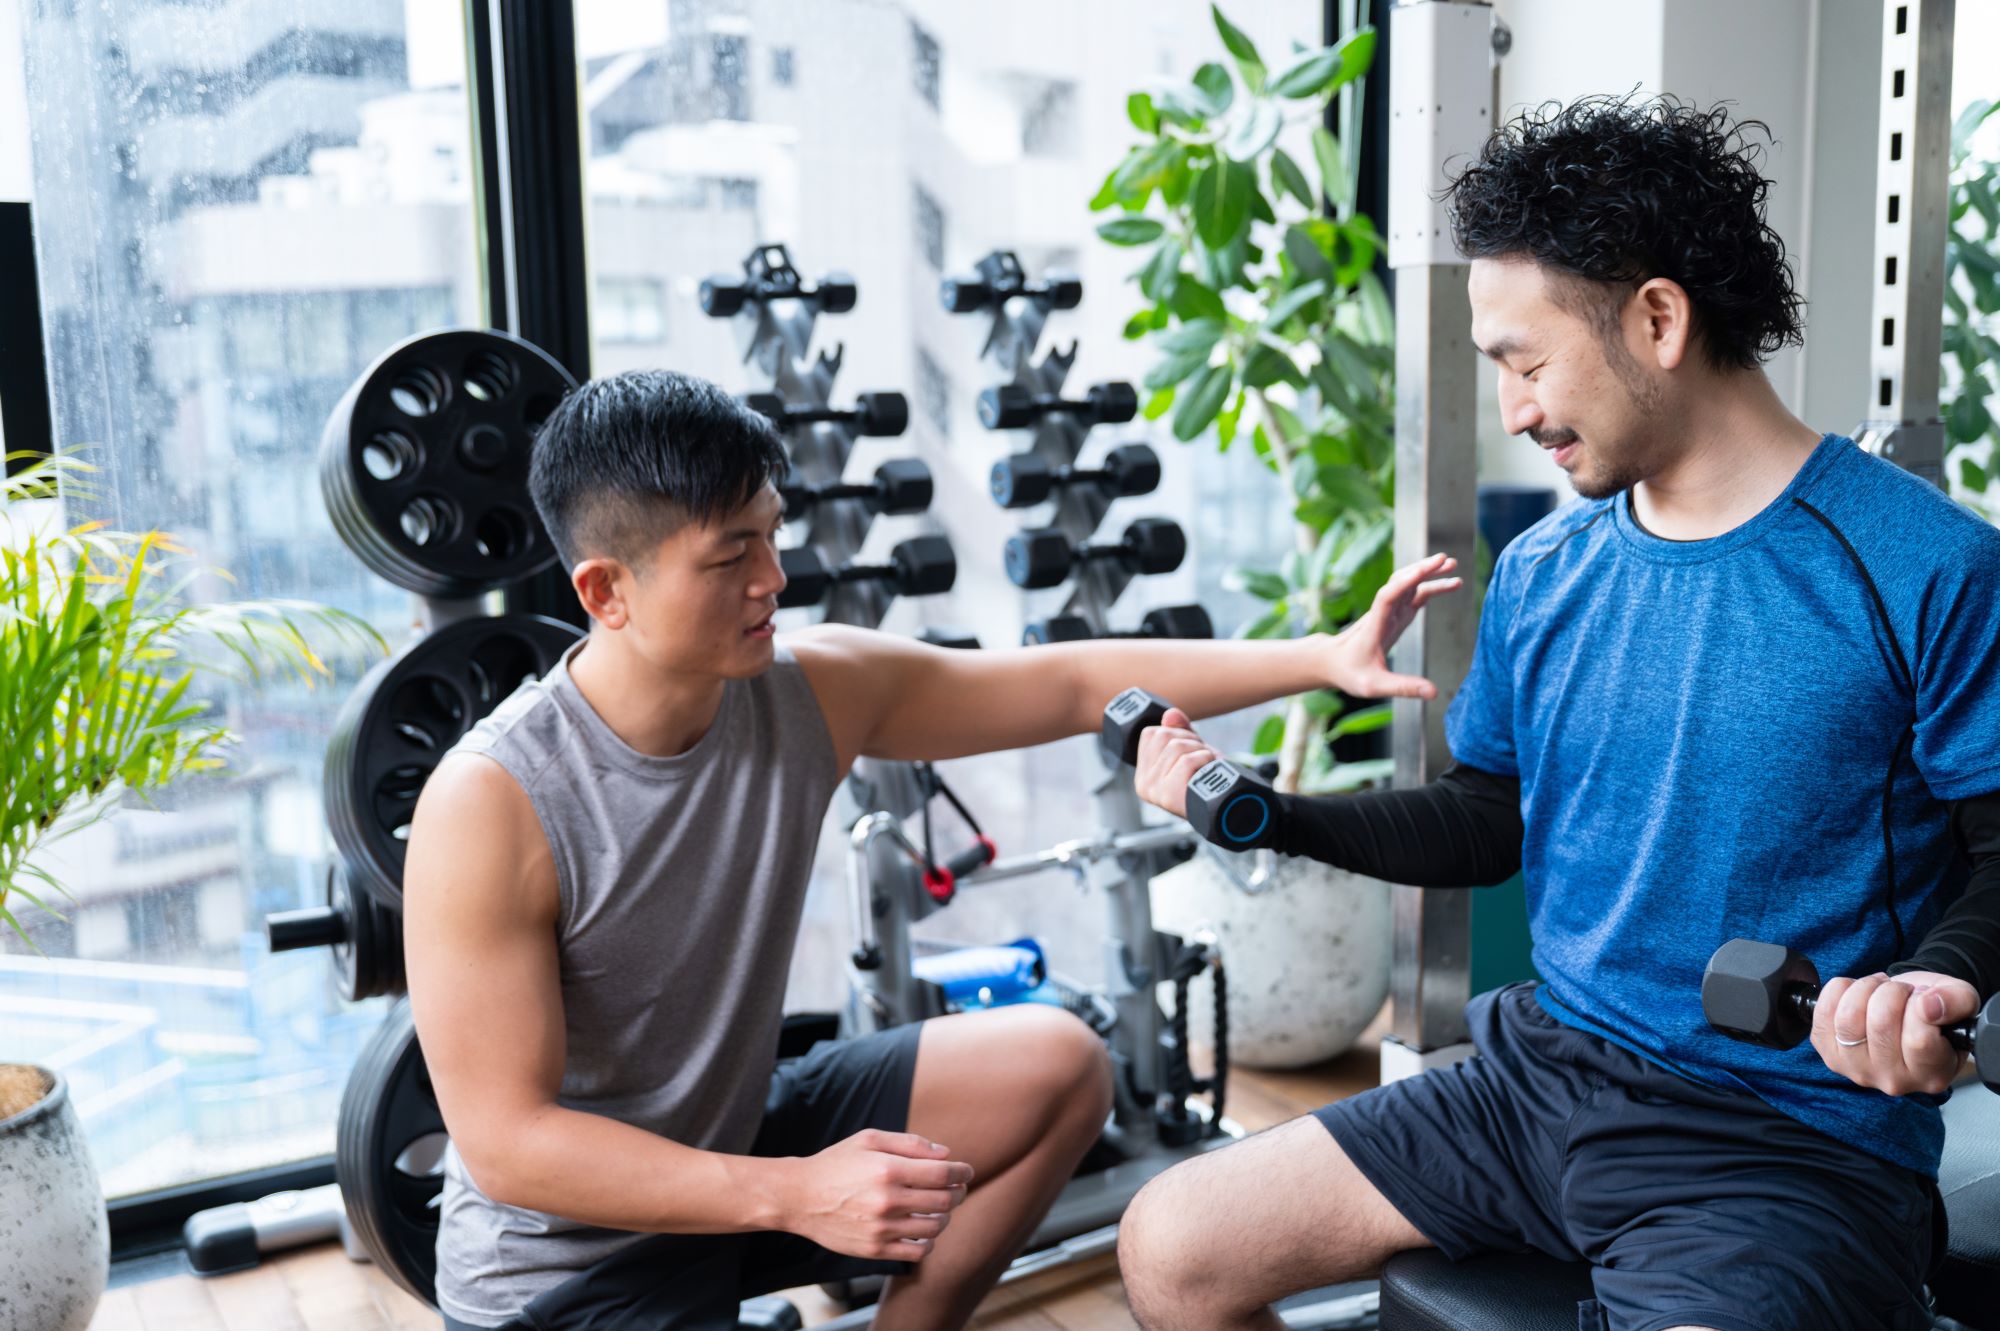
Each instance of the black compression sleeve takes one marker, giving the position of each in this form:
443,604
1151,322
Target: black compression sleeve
1461,830
1966,942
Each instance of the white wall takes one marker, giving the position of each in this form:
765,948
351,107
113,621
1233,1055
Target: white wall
1838,252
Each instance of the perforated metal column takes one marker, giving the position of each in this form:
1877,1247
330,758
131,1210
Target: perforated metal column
1911,194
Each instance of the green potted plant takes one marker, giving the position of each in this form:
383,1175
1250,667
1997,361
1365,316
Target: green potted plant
1257,273
96,663
1271,325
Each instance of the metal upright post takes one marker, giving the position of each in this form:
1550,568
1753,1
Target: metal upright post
1912,191
1440,100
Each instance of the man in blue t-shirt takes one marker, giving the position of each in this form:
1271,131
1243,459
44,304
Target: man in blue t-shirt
1746,685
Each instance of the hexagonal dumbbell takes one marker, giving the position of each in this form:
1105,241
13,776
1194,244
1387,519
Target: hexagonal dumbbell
920,566
881,415
1012,407
1765,994
1056,628
957,639
1227,804
1000,279
1043,556
1124,717
724,294
1168,621
900,485
1026,479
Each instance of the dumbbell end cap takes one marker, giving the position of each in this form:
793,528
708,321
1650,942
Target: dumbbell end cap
1125,716
1747,993
1231,806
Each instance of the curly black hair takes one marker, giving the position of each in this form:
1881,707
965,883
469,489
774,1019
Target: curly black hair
1618,191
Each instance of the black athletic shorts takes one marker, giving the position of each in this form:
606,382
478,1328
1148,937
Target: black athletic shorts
1697,1206
693,1282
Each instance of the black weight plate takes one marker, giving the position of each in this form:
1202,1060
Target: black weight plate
424,461
389,1155
403,717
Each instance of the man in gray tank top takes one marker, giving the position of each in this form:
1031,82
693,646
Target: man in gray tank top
605,880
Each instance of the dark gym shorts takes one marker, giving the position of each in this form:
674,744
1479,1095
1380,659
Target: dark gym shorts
1697,1206
693,1282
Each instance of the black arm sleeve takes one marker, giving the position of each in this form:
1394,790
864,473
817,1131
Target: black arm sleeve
1461,830
1965,944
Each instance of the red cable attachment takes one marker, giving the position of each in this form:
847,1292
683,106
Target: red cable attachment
942,881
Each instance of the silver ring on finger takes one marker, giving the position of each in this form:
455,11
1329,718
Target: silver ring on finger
1849,1044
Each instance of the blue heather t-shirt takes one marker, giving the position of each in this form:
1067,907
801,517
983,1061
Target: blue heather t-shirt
1749,736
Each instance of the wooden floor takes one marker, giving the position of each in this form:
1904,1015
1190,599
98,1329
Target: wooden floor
319,1289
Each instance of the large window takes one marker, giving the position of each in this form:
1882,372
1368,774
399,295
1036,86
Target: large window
901,142
244,202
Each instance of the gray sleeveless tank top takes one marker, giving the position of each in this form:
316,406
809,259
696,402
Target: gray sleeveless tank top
682,883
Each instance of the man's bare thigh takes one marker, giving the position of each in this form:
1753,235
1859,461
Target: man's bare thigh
1279,1212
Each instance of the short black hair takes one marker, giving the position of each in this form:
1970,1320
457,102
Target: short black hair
1618,191
624,461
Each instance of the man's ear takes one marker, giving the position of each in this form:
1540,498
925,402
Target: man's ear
1666,315
603,585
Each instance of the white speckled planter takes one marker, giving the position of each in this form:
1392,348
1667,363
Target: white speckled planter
1308,957
55,1240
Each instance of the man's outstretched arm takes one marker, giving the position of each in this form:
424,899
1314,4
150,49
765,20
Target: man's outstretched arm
1461,830
888,697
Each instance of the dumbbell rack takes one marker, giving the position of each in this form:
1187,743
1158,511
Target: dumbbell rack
1020,310
774,318
773,311
1152,1125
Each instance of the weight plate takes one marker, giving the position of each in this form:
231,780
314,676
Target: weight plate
389,1155
424,462
405,715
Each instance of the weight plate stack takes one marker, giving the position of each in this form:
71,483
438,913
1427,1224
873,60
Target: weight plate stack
389,1155
424,462
403,717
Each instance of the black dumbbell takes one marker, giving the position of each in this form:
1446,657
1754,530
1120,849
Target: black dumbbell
1124,717
1227,804
1043,556
881,415
723,295
1169,621
957,639
1026,479
1056,628
963,295
900,485
1765,994
920,566
1012,407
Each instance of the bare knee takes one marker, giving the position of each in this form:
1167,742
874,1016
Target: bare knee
1164,1256
1070,1068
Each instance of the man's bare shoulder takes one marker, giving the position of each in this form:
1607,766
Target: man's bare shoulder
475,825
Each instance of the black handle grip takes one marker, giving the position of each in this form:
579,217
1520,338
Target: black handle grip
315,926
